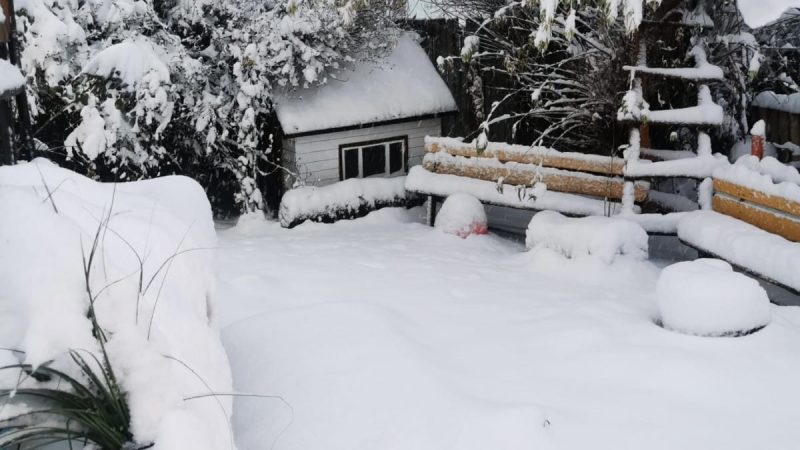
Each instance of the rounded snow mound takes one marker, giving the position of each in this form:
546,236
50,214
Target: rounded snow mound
462,215
605,238
706,297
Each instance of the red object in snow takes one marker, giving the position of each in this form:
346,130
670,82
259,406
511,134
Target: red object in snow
757,146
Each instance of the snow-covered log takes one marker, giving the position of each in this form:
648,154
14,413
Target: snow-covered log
547,157
538,198
520,174
348,199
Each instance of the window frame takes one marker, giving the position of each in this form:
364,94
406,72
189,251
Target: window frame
359,146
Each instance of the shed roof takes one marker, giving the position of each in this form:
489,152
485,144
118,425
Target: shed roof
403,84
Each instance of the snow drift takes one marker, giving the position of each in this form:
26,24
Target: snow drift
151,278
605,238
706,297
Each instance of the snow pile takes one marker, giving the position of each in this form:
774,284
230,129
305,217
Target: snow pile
462,215
346,199
707,298
404,84
768,176
151,278
759,129
605,238
11,78
766,254
781,102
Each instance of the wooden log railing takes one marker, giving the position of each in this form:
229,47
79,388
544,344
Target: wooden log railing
775,214
545,157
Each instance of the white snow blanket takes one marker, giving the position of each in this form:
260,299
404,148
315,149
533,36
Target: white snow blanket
345,199
384,334
706,297
401,85
605,238
744,245
11,78
152,280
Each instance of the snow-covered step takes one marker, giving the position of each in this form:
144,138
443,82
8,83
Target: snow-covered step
709,72
697,167
666,155
703,70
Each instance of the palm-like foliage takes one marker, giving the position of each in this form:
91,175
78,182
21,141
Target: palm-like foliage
91,410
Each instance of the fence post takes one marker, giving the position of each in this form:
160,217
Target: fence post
757,139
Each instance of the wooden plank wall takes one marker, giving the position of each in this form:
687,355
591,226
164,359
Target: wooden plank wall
782,126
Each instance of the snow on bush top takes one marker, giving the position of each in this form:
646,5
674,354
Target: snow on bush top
605,238
403,84
707,298
151,277
10,77
782,102
131,61
462,215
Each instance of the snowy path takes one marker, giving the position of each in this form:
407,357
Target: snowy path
389,335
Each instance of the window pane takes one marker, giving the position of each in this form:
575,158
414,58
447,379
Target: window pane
395,157
350,169
374,158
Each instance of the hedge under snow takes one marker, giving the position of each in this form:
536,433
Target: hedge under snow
605,238
346,199
152,280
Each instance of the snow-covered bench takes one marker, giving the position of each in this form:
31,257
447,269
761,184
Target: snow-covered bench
755,222
522,177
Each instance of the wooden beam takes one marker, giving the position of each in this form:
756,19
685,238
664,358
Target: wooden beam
594,185
603,165
759,198
773,222
5,25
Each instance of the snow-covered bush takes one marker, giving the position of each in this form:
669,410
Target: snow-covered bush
135,257
127,89
605,238
348,199
462,215
706,297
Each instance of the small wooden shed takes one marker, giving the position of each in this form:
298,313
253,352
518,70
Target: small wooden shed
369,120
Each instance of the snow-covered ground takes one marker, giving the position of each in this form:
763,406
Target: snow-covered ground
381,333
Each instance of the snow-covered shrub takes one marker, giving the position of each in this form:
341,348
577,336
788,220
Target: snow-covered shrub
605,238
348,199
138,258
462,215
126,89
706,297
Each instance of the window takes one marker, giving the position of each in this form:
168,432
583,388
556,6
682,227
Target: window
373,159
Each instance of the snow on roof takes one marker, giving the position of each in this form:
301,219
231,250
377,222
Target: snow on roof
11,78
404,84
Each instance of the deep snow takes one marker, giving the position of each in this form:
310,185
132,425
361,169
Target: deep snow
381,333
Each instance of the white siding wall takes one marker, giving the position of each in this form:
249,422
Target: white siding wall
317,156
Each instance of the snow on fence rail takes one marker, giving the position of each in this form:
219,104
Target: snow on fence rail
346,199
524,154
